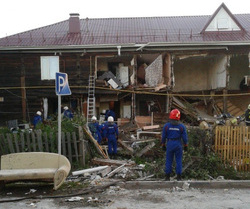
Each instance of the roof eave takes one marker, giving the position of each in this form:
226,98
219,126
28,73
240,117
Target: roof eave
124,47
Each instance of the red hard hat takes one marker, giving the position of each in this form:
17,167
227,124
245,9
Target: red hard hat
175,114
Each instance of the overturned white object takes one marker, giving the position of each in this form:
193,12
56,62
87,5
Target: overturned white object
89,170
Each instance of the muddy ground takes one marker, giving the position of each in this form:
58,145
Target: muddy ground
117,197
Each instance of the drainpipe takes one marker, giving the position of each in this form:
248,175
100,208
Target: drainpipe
119,50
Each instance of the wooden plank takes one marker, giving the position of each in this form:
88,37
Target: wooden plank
98,147
10,143
82,149
63,144
100,161
75,145
2,145
230,144
216,139
69,147
228,140
39,140
219,137
53,143
22,142
145,149
116,170
234,148
16,143
28,141
45,139
240,151
237,151
129,149
243,148
150,127
33,137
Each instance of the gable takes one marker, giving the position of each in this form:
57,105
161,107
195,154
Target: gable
222,20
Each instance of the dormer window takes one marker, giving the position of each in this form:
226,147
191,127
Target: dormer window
223,23
222,20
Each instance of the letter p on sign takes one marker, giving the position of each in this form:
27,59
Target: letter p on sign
62,85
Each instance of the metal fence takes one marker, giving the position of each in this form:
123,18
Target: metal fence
232,143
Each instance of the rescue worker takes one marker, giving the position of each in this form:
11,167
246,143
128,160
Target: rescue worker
109,113
247,116
172,135
67,113
37,118
111,133
95,129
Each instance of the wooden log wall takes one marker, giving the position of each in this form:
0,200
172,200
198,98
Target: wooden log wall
24,70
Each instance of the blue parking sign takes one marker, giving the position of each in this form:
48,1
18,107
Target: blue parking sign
62,84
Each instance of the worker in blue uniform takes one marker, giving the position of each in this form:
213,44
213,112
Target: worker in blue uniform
111,133
67,113
37,119
95,129
174,135
109,113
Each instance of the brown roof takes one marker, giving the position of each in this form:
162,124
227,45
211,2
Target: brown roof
119,31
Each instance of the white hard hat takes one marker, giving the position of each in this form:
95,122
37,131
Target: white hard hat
38,113
66,108
93,118
249,106
110,119
103,111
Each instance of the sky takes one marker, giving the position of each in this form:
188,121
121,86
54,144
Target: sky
17,16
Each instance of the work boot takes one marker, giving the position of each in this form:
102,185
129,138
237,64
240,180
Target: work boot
178,177
111,156
167,177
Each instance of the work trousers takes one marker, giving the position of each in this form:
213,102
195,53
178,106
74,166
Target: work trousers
174,149
112,145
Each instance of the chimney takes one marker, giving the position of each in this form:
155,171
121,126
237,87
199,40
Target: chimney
74,23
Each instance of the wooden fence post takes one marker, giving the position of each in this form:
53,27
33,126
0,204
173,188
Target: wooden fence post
81,146
75,146
10,143
69,146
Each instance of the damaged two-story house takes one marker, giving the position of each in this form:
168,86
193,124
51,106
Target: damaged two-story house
132,65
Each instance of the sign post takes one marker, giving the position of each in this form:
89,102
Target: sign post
62,88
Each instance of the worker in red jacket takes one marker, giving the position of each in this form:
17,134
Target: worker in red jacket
173,134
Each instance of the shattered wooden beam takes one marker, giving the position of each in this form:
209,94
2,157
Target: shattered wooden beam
105,171
98,147
145,149
150,127
116,170
145,141
126,147
100,161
